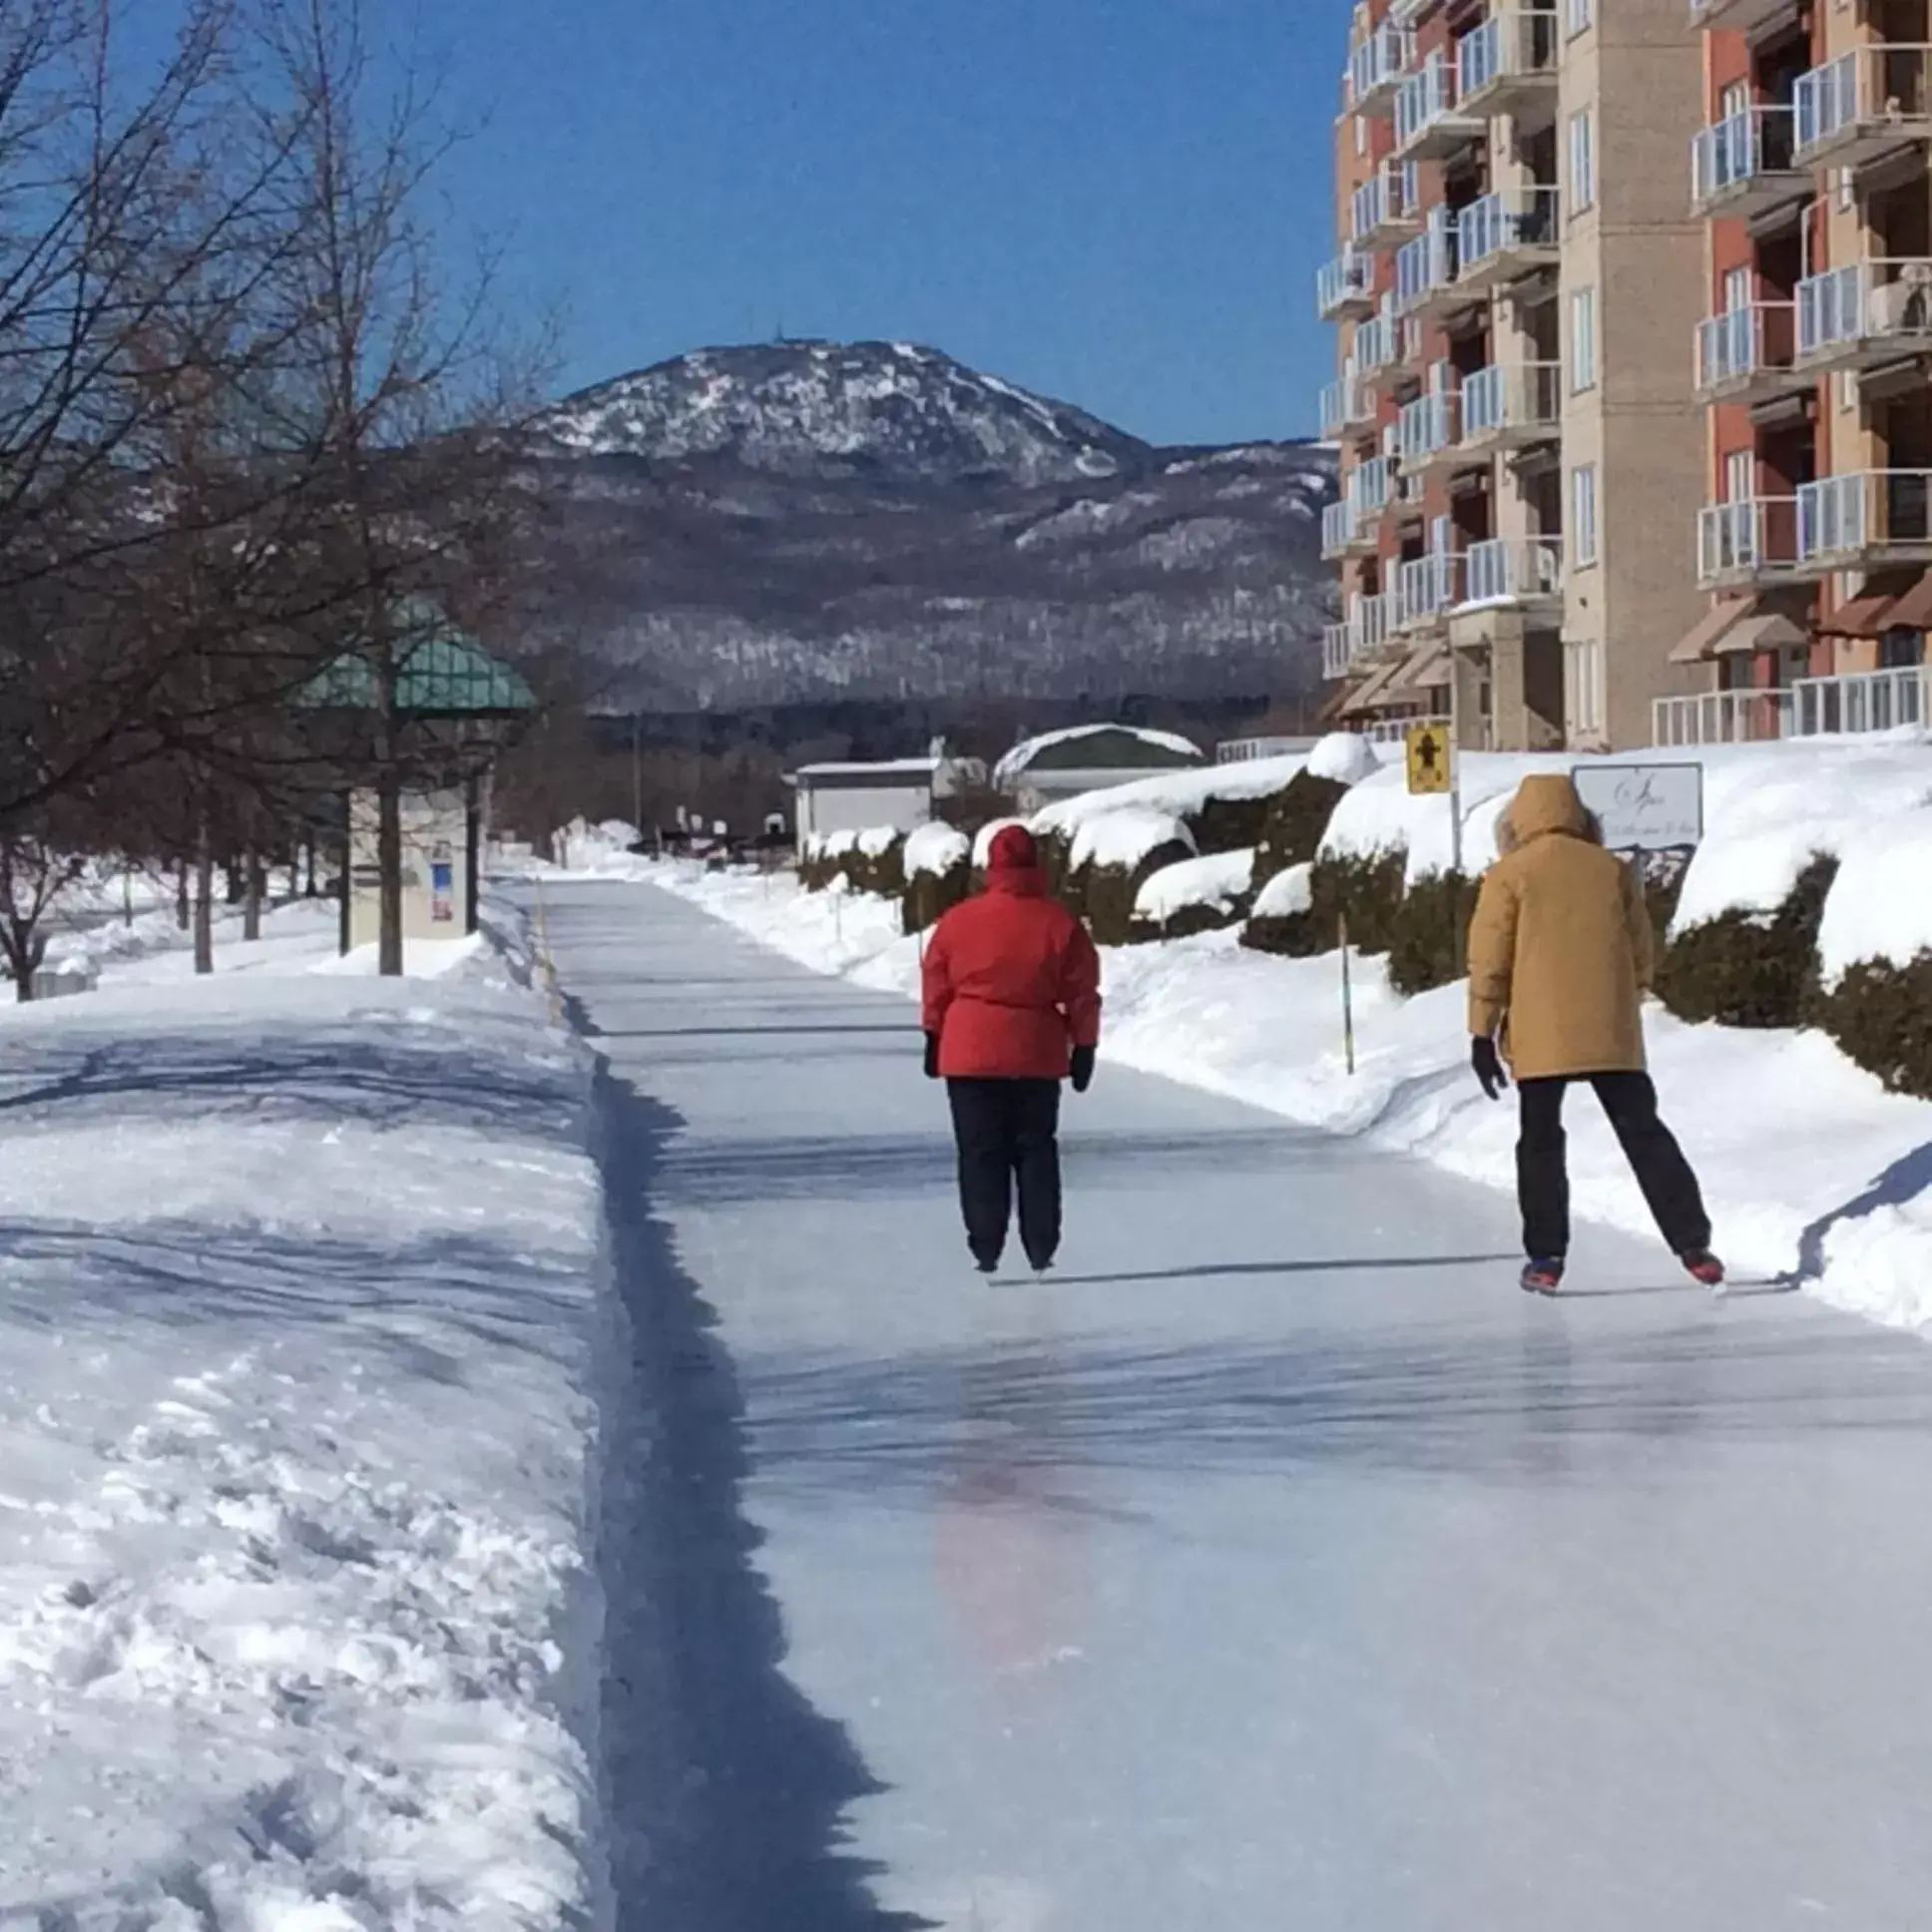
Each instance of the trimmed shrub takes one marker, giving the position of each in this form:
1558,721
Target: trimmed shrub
929,897
881,872
1291,829
1282,921
1223,826
1368,890
1105,895
1750,969
1880,1015
1429,942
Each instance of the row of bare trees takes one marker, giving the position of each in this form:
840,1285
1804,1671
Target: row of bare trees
253,416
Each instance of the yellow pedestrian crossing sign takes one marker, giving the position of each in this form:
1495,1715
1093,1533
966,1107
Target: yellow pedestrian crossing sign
1427,747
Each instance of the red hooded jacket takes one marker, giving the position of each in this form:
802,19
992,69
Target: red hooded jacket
1012,981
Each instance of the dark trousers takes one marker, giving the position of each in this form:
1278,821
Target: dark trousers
1008,1131
1543,1179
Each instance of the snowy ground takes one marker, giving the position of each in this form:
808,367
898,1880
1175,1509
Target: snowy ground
1275,1564
1811,1167
297,1306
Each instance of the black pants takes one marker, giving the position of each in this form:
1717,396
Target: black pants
1008,1130
1543,1179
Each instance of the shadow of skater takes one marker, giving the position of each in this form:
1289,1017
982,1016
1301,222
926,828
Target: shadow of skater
1901,1184
727,1789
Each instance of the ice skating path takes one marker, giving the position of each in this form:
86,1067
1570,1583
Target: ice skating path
1277,1565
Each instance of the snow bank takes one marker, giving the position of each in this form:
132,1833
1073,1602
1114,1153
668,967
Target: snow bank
1344,759
1126,838
1287,896
1177,793
1017,761
1802,1155
1220,881
935,849
1880,905
297,1328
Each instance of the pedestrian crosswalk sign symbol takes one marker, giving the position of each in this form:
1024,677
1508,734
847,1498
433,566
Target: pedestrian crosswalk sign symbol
1428,756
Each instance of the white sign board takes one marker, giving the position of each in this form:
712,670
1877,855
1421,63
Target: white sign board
1644,808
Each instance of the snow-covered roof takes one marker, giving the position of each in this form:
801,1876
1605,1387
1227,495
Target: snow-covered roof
1028,750
884,772
1217,880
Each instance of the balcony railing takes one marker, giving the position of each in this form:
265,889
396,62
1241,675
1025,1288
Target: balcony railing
1752,537
1393,731
1376,65
1745,717
1346,404
1747,160
1245,751
1358,637
1866,309
1868,514
1744,347
1425,268
1513,570
1424,427
1514,48
1388,203
1512,401
1378,341
1425,587
1863,103
1518,227
1337,528
1428,122
1852,704
1347,283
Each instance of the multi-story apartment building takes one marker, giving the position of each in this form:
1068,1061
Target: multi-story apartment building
1521,459
1815,541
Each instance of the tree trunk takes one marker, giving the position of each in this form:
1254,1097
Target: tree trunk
203,901
256,880
127,898
313,890
389,860
182,905
232,881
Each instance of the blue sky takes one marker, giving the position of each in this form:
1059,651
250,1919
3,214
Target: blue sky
1118,202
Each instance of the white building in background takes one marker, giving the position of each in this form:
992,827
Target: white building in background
1037,771
894,794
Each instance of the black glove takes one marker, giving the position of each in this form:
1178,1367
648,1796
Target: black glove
932,1056
1488,1065
1082,1070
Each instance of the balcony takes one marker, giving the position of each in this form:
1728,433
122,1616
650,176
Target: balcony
1506,237
1747,717
1746,165
1378,345
1512,405
1430,124
1349,525
1348,404
1425,273
1346,286
1375,68
1865,521
1863,105
1864,314
1513,573
1425,591
1425,430
1387,208
1753,541
1741,15
1750,351
1358,638
1852,704
1507,61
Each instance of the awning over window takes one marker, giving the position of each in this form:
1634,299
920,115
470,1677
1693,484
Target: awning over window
1700,640
1863,617
1768,631
1913,611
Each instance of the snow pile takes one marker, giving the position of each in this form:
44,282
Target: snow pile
1880,905
1126,838
1219,882
1382,815
1344,759
1809,1165
877,840
1178,793
934,850
1017,762
1287,896
297,1330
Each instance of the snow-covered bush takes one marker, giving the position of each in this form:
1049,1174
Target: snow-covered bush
872,860
1280,921
1879,1014
938,863
1296,819
1428,941
1195,895
1100,871
1749,969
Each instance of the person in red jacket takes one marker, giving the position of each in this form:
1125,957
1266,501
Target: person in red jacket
1011,1008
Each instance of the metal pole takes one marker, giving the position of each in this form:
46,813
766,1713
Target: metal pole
1347,1001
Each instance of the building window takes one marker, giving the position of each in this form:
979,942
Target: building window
1582,164
1741,476
1583,515
1583,340
1586,694
1576,16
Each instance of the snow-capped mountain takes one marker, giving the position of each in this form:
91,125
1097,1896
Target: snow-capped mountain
818,408
802,521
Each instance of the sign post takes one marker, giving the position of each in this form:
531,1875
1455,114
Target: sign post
1348,999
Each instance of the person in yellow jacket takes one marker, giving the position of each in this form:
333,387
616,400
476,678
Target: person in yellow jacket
1559,958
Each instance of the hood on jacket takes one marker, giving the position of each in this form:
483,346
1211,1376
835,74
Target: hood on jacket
1545,802
1012,850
